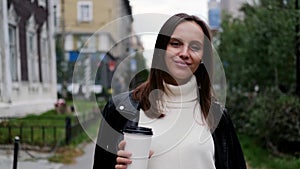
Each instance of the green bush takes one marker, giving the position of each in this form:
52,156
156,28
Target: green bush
272,117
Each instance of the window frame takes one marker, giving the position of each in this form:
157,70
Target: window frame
13,53
84,14
32,55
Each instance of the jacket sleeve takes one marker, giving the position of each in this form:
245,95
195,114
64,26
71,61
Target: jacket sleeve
109,135
228,150
106,147
113,122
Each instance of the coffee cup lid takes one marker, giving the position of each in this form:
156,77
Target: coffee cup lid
138,130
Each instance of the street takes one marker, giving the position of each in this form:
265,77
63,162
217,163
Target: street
29,160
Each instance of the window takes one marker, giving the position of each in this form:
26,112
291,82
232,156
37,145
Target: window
86,41
45,62
32,57
84,11
13,53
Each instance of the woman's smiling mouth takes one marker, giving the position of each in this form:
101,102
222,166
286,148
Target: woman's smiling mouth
181,63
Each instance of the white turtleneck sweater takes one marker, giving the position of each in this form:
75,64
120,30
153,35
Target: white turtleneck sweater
182,139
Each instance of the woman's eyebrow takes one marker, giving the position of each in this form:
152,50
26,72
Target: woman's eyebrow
174,38
179,39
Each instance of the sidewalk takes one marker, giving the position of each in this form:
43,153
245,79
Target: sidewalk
26,161
85,161
31,160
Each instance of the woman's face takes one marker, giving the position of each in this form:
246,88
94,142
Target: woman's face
184,51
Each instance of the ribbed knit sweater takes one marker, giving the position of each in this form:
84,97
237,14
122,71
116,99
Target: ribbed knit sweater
182,139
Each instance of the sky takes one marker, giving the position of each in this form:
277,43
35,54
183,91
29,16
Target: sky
149,15
196,7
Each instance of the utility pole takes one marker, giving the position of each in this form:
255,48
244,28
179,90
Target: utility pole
63,29
297,47
62,40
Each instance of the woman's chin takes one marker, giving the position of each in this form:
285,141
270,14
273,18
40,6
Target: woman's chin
182,78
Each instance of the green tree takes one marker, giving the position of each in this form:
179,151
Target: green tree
60,61
258,49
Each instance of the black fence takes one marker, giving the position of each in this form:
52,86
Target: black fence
31,134
46,135
79,126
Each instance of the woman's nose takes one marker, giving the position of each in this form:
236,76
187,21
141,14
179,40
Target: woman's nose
184,51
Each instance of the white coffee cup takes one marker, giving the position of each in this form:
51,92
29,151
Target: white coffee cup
138,142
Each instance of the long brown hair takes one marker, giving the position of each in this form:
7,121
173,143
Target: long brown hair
143,93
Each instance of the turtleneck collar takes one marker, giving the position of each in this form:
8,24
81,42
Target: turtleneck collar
182,93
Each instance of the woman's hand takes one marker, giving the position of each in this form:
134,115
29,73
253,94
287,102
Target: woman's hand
123,158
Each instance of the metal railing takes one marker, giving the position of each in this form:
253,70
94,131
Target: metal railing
46,135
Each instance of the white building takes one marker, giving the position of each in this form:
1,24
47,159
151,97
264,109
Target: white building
27,57
233,6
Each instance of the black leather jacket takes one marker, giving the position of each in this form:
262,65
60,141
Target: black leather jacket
122,111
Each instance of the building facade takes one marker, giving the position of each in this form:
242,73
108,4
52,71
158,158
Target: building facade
27,56
232,7
94,40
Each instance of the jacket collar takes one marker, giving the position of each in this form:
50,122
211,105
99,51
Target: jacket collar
127,107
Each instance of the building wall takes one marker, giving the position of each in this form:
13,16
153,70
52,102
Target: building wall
104,24
103,36
28,84
102,14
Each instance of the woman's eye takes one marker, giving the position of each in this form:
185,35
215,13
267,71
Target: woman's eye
195,47
175,44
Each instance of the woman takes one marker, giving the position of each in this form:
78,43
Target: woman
190,129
